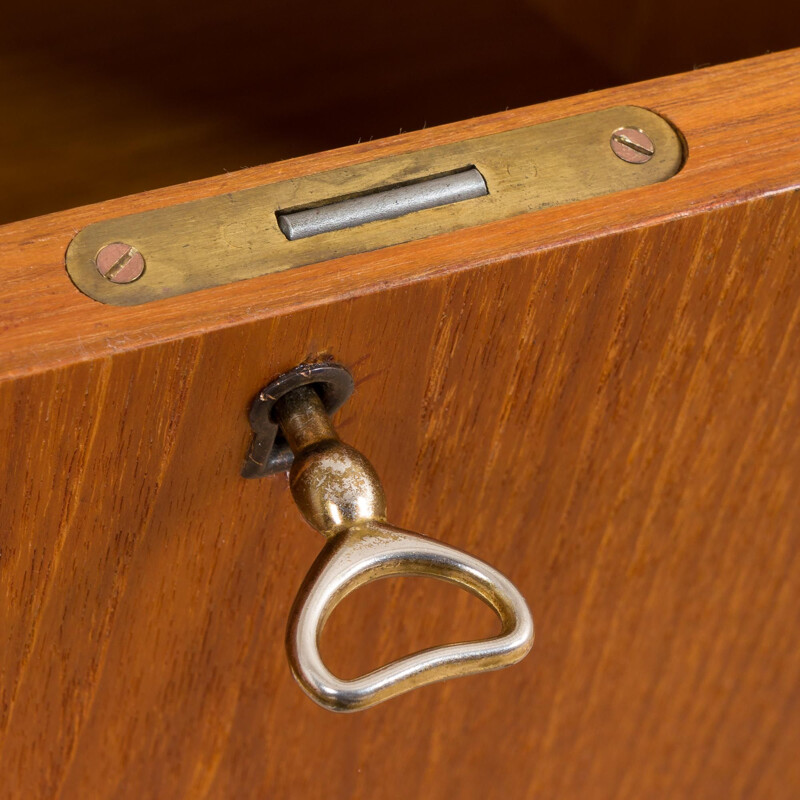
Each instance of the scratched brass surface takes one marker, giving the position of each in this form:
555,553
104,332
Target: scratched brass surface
232,237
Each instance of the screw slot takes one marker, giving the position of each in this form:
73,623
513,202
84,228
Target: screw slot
120,263
632,145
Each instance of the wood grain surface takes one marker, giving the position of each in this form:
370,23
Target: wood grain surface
740,122
601,400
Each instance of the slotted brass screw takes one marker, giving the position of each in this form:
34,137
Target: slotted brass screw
632,145
120,263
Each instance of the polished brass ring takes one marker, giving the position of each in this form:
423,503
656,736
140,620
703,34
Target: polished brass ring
340,494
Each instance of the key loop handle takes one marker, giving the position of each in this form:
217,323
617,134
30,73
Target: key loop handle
339,493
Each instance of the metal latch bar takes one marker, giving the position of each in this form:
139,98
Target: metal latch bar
385,203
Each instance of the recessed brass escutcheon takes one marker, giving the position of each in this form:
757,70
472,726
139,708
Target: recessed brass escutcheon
235,236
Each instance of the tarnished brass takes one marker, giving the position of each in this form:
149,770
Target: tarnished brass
235,236
334,486
340,494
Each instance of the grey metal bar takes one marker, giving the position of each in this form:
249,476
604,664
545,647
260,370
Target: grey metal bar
387,203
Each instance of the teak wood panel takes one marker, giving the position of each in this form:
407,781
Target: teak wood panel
740,122
612,421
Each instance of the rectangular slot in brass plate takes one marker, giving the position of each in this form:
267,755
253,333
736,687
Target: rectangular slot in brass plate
235,236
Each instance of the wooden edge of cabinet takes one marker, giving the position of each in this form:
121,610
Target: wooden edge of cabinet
740,122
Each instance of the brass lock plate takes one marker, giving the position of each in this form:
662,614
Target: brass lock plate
365,207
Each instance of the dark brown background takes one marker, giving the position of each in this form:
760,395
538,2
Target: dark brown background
98,100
